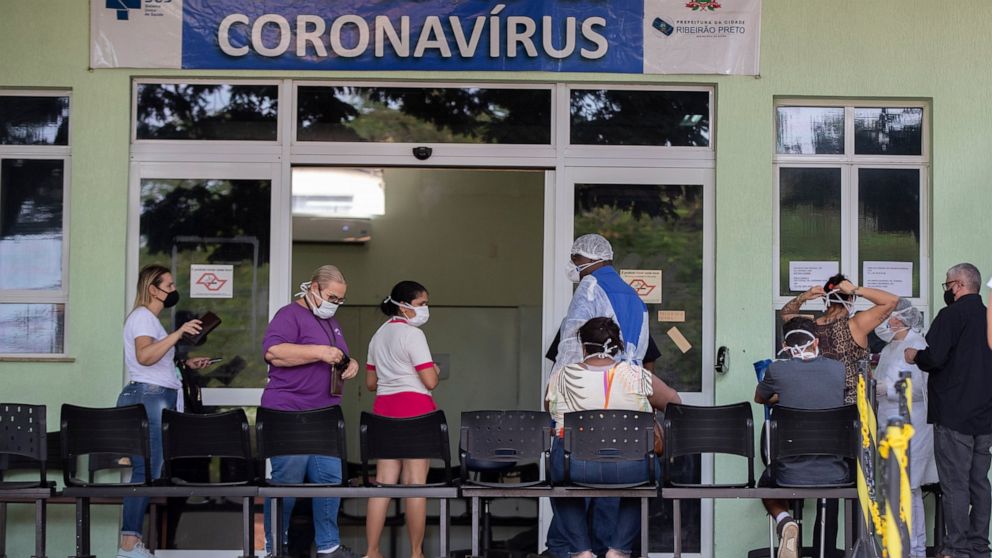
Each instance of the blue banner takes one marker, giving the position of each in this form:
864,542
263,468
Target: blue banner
485,35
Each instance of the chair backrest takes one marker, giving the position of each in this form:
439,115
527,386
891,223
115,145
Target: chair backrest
502,438
188,435
314,432
692,430
114,430
23,434
423,437
610,435
805,432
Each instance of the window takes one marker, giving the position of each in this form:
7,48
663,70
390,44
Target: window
851,181
467,115
647,118
34,161
206,111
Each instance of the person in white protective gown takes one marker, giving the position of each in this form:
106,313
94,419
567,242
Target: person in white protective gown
903,331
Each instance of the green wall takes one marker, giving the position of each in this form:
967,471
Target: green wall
914,49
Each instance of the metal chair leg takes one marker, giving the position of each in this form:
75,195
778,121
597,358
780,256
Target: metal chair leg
644,527
247,527
276,527
444,520
40,520
475,526
3,529
771,536
823,527
677,530
83,528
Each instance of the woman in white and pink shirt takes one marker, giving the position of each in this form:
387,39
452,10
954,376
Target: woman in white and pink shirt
402,374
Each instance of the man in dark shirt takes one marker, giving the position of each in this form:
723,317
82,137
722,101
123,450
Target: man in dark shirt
803,380
959,361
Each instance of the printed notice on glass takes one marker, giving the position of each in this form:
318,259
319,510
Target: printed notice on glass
647,283
895,277
211,281
803,276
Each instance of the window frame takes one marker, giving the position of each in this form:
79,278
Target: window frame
850,164
50,153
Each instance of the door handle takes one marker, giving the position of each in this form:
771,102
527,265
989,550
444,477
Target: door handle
722,360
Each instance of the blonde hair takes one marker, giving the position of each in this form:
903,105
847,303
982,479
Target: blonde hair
323,276
149,275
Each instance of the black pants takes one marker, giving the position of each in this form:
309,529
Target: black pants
963,466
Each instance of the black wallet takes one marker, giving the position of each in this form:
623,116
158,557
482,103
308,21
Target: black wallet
208,323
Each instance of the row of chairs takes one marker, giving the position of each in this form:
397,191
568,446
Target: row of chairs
487,439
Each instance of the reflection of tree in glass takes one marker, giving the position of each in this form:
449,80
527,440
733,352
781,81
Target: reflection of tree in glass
448,115
656,227
34,120
207,111
205,208
623,117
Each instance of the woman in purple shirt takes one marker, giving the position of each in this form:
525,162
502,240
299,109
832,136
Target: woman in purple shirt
302,344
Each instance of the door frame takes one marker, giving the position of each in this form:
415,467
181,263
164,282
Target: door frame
278,259
559,234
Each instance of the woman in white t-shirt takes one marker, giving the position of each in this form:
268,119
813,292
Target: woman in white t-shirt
402,374
153,381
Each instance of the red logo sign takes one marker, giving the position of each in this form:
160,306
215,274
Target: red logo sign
211,282
642,287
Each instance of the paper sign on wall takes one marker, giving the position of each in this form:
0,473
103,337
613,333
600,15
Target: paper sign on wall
211,281
671,315
806,275
895,277
647,283
680,341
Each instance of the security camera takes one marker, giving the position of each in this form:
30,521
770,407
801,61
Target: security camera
422,153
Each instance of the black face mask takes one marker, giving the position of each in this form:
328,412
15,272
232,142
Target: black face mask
948,297
171,299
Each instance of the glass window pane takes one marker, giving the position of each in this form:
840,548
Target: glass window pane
656,227
809,130
31,223
202,111
217,223
889,219
34,120
32,328
888,131
425,115
809,218
625,117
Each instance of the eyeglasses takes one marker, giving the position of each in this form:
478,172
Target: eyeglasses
333,299
947,285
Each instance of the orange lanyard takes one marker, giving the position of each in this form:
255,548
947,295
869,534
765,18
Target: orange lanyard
608,385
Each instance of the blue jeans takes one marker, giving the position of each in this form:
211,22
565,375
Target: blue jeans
154,398
294,469
571,513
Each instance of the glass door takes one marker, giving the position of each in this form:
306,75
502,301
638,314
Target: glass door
660,223
210,224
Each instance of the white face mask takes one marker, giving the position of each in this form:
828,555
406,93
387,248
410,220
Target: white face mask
421,313
833,298
801,351
887,333
573,272
325,310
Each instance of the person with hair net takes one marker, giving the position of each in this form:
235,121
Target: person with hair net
900,332
601,293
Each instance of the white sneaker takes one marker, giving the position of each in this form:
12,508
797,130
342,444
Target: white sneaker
788,539
139,551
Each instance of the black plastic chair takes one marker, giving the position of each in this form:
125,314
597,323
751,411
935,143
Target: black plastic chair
495,442
279,433
222,435
89,431
610,436
697,430
24,445
422,437
814,432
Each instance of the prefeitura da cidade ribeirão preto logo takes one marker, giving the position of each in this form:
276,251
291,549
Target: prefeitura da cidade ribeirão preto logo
699,5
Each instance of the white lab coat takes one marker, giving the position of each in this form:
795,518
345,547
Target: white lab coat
590,301
922,467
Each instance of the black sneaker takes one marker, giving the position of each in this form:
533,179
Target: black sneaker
341,551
